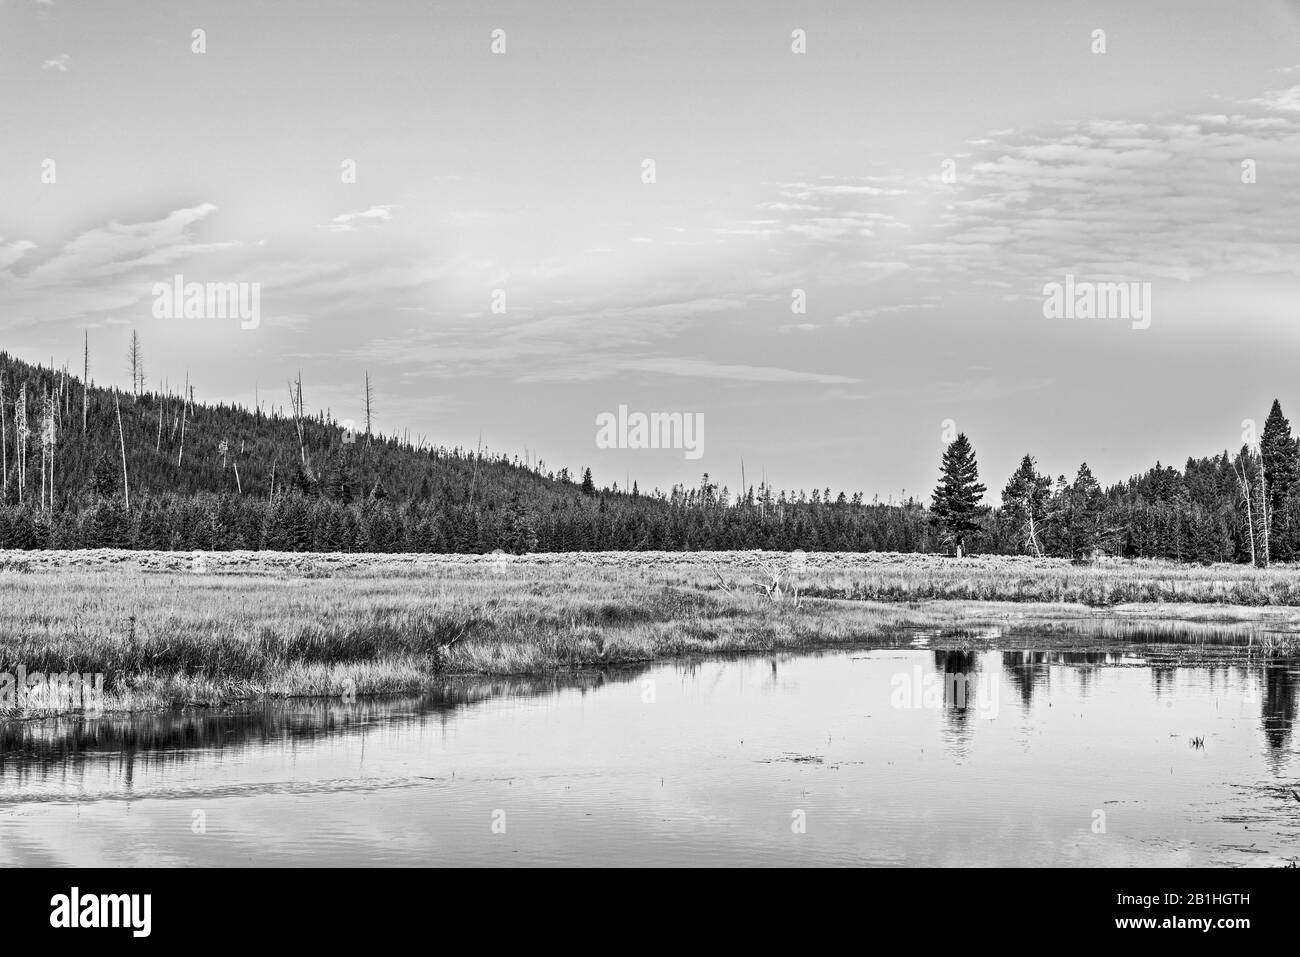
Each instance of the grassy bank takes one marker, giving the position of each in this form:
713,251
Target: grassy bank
870,576
170,629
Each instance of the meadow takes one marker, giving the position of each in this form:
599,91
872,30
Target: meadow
172,629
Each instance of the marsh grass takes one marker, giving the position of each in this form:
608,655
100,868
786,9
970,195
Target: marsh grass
255,625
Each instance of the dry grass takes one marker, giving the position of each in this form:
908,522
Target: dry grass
873,576
170,629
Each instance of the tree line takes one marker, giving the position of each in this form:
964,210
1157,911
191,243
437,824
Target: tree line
85,466
1223,508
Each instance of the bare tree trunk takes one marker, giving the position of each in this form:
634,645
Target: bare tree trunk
1033,531
478,452
44,447
1250,519
295,399
370,395
47,450
85,383
20,439
126,488
135,357
51,433
4,448
184,409
1263,510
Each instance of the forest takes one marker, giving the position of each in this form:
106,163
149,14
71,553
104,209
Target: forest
85,466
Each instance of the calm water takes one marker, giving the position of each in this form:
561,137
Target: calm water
862,757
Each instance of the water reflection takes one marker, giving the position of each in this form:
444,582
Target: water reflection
994,756
55,746
1281,686
130,742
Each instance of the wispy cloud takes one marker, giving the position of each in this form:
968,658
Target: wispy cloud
707,369
103,269
351,222
1138,199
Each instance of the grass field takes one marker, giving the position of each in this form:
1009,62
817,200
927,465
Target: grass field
176,629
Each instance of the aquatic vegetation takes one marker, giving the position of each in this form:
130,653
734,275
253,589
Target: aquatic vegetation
171,630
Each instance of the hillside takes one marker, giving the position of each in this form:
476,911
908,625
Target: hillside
220,477
177,447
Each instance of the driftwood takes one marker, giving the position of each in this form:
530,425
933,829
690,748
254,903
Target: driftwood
777,584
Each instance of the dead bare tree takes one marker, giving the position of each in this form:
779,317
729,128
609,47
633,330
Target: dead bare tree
135,356
370,395
473,481
126,488
1032,531
4,447
1245,496
1263,509
48,432
20,439
295,399
85,382
184,409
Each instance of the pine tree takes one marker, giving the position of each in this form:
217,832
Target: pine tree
339,483
104,479
1085,516
1024,501
955,503
1278,451
303,481
588,486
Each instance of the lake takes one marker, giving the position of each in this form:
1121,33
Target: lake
896,756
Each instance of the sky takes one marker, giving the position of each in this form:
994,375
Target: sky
916,176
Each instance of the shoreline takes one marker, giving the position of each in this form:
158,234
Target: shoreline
173,631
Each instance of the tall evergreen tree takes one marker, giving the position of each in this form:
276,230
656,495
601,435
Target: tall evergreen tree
955,504
1277,450
1086,503
104,477
1024,501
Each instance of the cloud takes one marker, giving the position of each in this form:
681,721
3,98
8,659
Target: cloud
576,340
350,222
706,369
871,312
62,63
1150,199
1142,200
103,269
